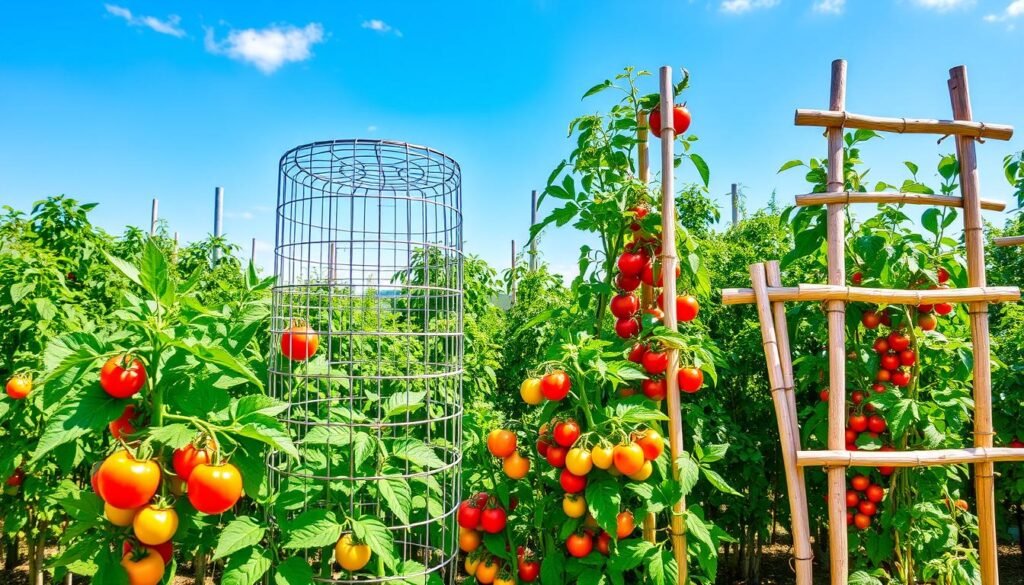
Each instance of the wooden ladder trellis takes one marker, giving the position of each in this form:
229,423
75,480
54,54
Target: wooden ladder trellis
769,295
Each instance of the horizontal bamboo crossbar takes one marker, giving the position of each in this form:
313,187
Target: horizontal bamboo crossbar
907,458
831,119
1009,241
850,197
827,292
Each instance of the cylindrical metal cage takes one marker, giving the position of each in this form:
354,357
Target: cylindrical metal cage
369,255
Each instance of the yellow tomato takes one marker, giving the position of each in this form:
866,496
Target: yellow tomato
469,540
117,516
579,461
504,580
351,555
516,466
601,456
155,525
530,391
471,565
574,505
645,471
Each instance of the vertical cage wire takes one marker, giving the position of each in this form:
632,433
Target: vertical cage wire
368,253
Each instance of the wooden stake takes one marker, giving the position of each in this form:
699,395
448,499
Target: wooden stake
646,292
836,236
668,268
784,414
974,239
840,119
878,296
1009,241
849,197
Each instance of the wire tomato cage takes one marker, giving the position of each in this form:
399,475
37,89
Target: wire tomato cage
368,255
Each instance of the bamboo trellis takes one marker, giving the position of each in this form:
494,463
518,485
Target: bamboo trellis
769,295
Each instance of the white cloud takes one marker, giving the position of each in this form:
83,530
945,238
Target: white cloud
1011,12
829,6
169,26
371,128
268,48
741,6
943,5
381,27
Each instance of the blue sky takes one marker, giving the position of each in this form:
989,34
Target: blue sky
121,102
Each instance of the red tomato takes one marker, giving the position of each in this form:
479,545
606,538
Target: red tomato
122,425
127,483
627,282
604,541
556,456
898,341
860,482
908,357
627,328
876,424
870,319
636,354
624,524
529,571
925,308
214,489
555,385
857,279
852,499
542,447
655,362
878,388
579,545
849,518
862,522
901,378
654,388
652,443
890,361
690,379
187,458
857,397
943,308
299,343
680,120
631,263
851,436
16,478
881,345
493,520
566,433
858,422
875,493
166,550
625,305
122,376
823,395
571,483
19,387
868,508
687,307
883,376
943,275
501,443
468,515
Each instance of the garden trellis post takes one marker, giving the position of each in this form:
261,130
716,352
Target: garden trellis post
735,204
218,220
668,266
153,212
836,294
533,222
650,525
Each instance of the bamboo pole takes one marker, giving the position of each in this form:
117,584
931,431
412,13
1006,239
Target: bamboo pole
773,274
784,415
1009,241
908,458
849,197
836,234
646,292
856,294
960,127
974,240
668,270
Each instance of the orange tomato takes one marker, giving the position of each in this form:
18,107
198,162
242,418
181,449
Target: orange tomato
628,457
146,570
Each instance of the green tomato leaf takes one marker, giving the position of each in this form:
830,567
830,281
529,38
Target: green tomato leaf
246,567
313,528
240,533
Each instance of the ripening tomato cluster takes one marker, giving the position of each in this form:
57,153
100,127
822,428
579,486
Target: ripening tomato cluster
862,500
133,489
502,444
482,514
19,386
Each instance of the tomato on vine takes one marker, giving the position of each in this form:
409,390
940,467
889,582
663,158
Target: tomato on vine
654,388
493,520
574,505
487,571
122,426
572,483
655,362
579,461
530,391
155,524
516,466
118,516
188,457
127,483
579,544
501,442
214,489
19,387
624,524
556,456
680,120
628,458
566,433
469,539
122,376
351,554
299,342
145,567
690,379
627,328
602,455
555,385
624,305
529,570
652,444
